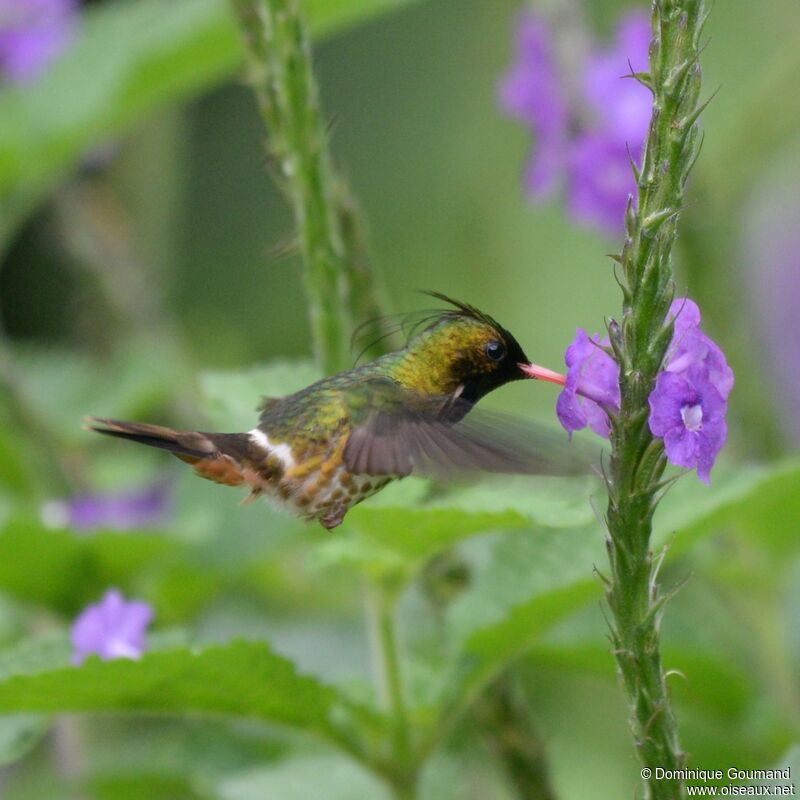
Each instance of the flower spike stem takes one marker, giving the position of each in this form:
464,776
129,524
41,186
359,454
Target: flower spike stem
639,345
339,284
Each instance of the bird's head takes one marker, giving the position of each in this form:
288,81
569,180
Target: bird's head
460,350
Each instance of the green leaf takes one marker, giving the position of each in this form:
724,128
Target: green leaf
195,752
538,578
395,542
19,734
303,777
395,533
533,581
232,396
241,678
15,473
153,787
760,499
545,501
63,387
65,571
130,59
702,679
35,655
709,668
525,566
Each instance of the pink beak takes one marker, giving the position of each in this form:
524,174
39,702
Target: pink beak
542,374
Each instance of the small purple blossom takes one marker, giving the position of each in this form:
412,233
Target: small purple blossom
688,404
532,93
621,105
690,400
32,34
592,385
113,628
585,133
688,412
691,346
148,507
601,181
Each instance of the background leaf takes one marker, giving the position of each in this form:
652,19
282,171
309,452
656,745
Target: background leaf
232,396
304,777
242,678
536,579
20,733
761,499
130,59
64,570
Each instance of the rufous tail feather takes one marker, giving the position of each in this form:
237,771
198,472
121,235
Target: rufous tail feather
219,457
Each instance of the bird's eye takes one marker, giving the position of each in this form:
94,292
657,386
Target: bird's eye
495,350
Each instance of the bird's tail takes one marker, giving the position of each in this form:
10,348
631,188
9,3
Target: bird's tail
220,457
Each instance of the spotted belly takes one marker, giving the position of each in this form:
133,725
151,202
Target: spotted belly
311,485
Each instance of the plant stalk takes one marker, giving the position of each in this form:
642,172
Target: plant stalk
381,602
640,343
508,730
339,284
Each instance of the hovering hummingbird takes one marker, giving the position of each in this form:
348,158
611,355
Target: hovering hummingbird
320,451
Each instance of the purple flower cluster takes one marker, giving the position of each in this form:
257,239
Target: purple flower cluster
32,34
687,406
586,127
113,628
148,507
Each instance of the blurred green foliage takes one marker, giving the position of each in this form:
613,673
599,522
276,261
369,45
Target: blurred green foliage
143,277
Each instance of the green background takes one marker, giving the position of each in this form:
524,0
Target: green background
158,295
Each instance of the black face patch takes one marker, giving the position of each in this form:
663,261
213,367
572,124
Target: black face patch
498,363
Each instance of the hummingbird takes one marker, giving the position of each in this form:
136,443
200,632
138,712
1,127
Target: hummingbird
320,451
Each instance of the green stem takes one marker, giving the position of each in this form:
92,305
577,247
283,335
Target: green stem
52,468
339,285
381,608
507,728
640,343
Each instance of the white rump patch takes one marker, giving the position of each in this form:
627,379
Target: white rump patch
282,450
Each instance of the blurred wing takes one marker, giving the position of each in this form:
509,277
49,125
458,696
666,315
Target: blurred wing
397,432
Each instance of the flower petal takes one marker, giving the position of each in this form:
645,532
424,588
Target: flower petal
688,411
112,628
32,34
622,105
600,181
592,385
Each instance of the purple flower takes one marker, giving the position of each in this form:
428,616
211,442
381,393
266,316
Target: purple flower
688,412
696,373
585,131
621,105
685,314
144,508
691,346
32,34
532,93
601,181
592,385
112,628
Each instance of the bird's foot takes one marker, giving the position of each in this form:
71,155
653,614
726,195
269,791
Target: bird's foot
333,517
